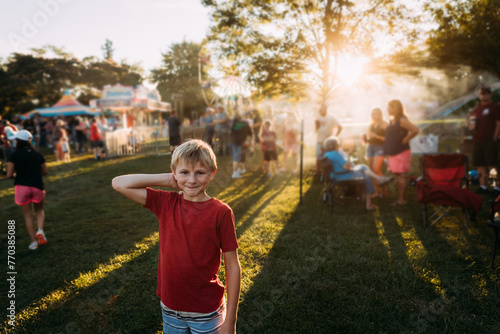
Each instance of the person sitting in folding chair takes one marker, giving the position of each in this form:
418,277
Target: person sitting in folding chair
345,170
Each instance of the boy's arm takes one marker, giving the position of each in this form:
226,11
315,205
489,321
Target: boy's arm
233,283
133,186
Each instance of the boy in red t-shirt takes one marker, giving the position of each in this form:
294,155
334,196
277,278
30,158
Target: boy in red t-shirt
194,230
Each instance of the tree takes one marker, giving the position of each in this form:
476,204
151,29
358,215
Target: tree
38,80
285,46
468,33
27,82
178,76
107,50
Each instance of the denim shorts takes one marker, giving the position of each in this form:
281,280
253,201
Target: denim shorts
374,151
236,153
181,323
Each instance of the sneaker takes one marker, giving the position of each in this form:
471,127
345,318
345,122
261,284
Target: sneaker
42,240
385,180
269,175
482,190
236,175
242,171
33,245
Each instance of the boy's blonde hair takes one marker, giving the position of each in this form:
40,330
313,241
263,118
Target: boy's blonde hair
192,152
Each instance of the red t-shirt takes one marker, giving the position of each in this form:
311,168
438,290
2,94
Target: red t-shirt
193,236
486,118
94,133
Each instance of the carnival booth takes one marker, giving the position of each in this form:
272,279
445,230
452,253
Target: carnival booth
140,115
66,106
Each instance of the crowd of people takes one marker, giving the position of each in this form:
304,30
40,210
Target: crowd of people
242,134
59,133
384,141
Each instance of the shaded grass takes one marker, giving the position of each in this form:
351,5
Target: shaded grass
305,269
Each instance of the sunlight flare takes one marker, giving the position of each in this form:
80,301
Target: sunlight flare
350,68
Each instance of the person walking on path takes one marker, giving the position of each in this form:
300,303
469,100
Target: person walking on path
398,134
484,121
194,230
29,166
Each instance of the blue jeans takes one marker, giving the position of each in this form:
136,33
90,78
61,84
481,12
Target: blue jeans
174,323
236,153
358,172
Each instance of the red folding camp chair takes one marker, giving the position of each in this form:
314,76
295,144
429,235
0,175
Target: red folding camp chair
443,186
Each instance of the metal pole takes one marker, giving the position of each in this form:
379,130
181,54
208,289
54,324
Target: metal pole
301,156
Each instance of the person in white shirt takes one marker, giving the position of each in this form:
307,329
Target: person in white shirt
325,126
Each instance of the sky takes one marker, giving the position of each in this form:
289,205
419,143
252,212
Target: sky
140,30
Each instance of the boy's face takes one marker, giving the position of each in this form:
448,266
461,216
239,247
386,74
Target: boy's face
193,181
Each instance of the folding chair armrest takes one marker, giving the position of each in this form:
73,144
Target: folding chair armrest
493,204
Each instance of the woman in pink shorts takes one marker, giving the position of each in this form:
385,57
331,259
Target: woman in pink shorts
396,146
29,166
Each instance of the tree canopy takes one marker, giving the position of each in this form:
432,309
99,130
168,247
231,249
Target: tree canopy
468,33
29,81
285,46
178,76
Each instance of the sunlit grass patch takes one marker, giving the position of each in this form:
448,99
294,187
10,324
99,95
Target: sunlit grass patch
84,281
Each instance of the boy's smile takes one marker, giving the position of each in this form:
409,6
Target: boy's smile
193,181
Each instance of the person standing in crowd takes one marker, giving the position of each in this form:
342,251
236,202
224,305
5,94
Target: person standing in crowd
398,134
31,125
59,134
7,136
222,129
375,148
81,134
29,167
291,141
325,125
484,121
268,145
257,123
42,125
66,151
96,140
174,130
208,122
50,132
239,133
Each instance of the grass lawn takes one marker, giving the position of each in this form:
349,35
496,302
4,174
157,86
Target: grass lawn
305,269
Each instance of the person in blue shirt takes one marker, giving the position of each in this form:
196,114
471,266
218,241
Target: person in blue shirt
341,164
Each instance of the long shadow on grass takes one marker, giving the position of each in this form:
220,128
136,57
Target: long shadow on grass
315,279
122,302
460,260
352,272
263,196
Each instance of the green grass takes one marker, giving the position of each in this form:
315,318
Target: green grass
305,269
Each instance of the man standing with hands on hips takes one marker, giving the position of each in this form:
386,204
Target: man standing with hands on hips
484,121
